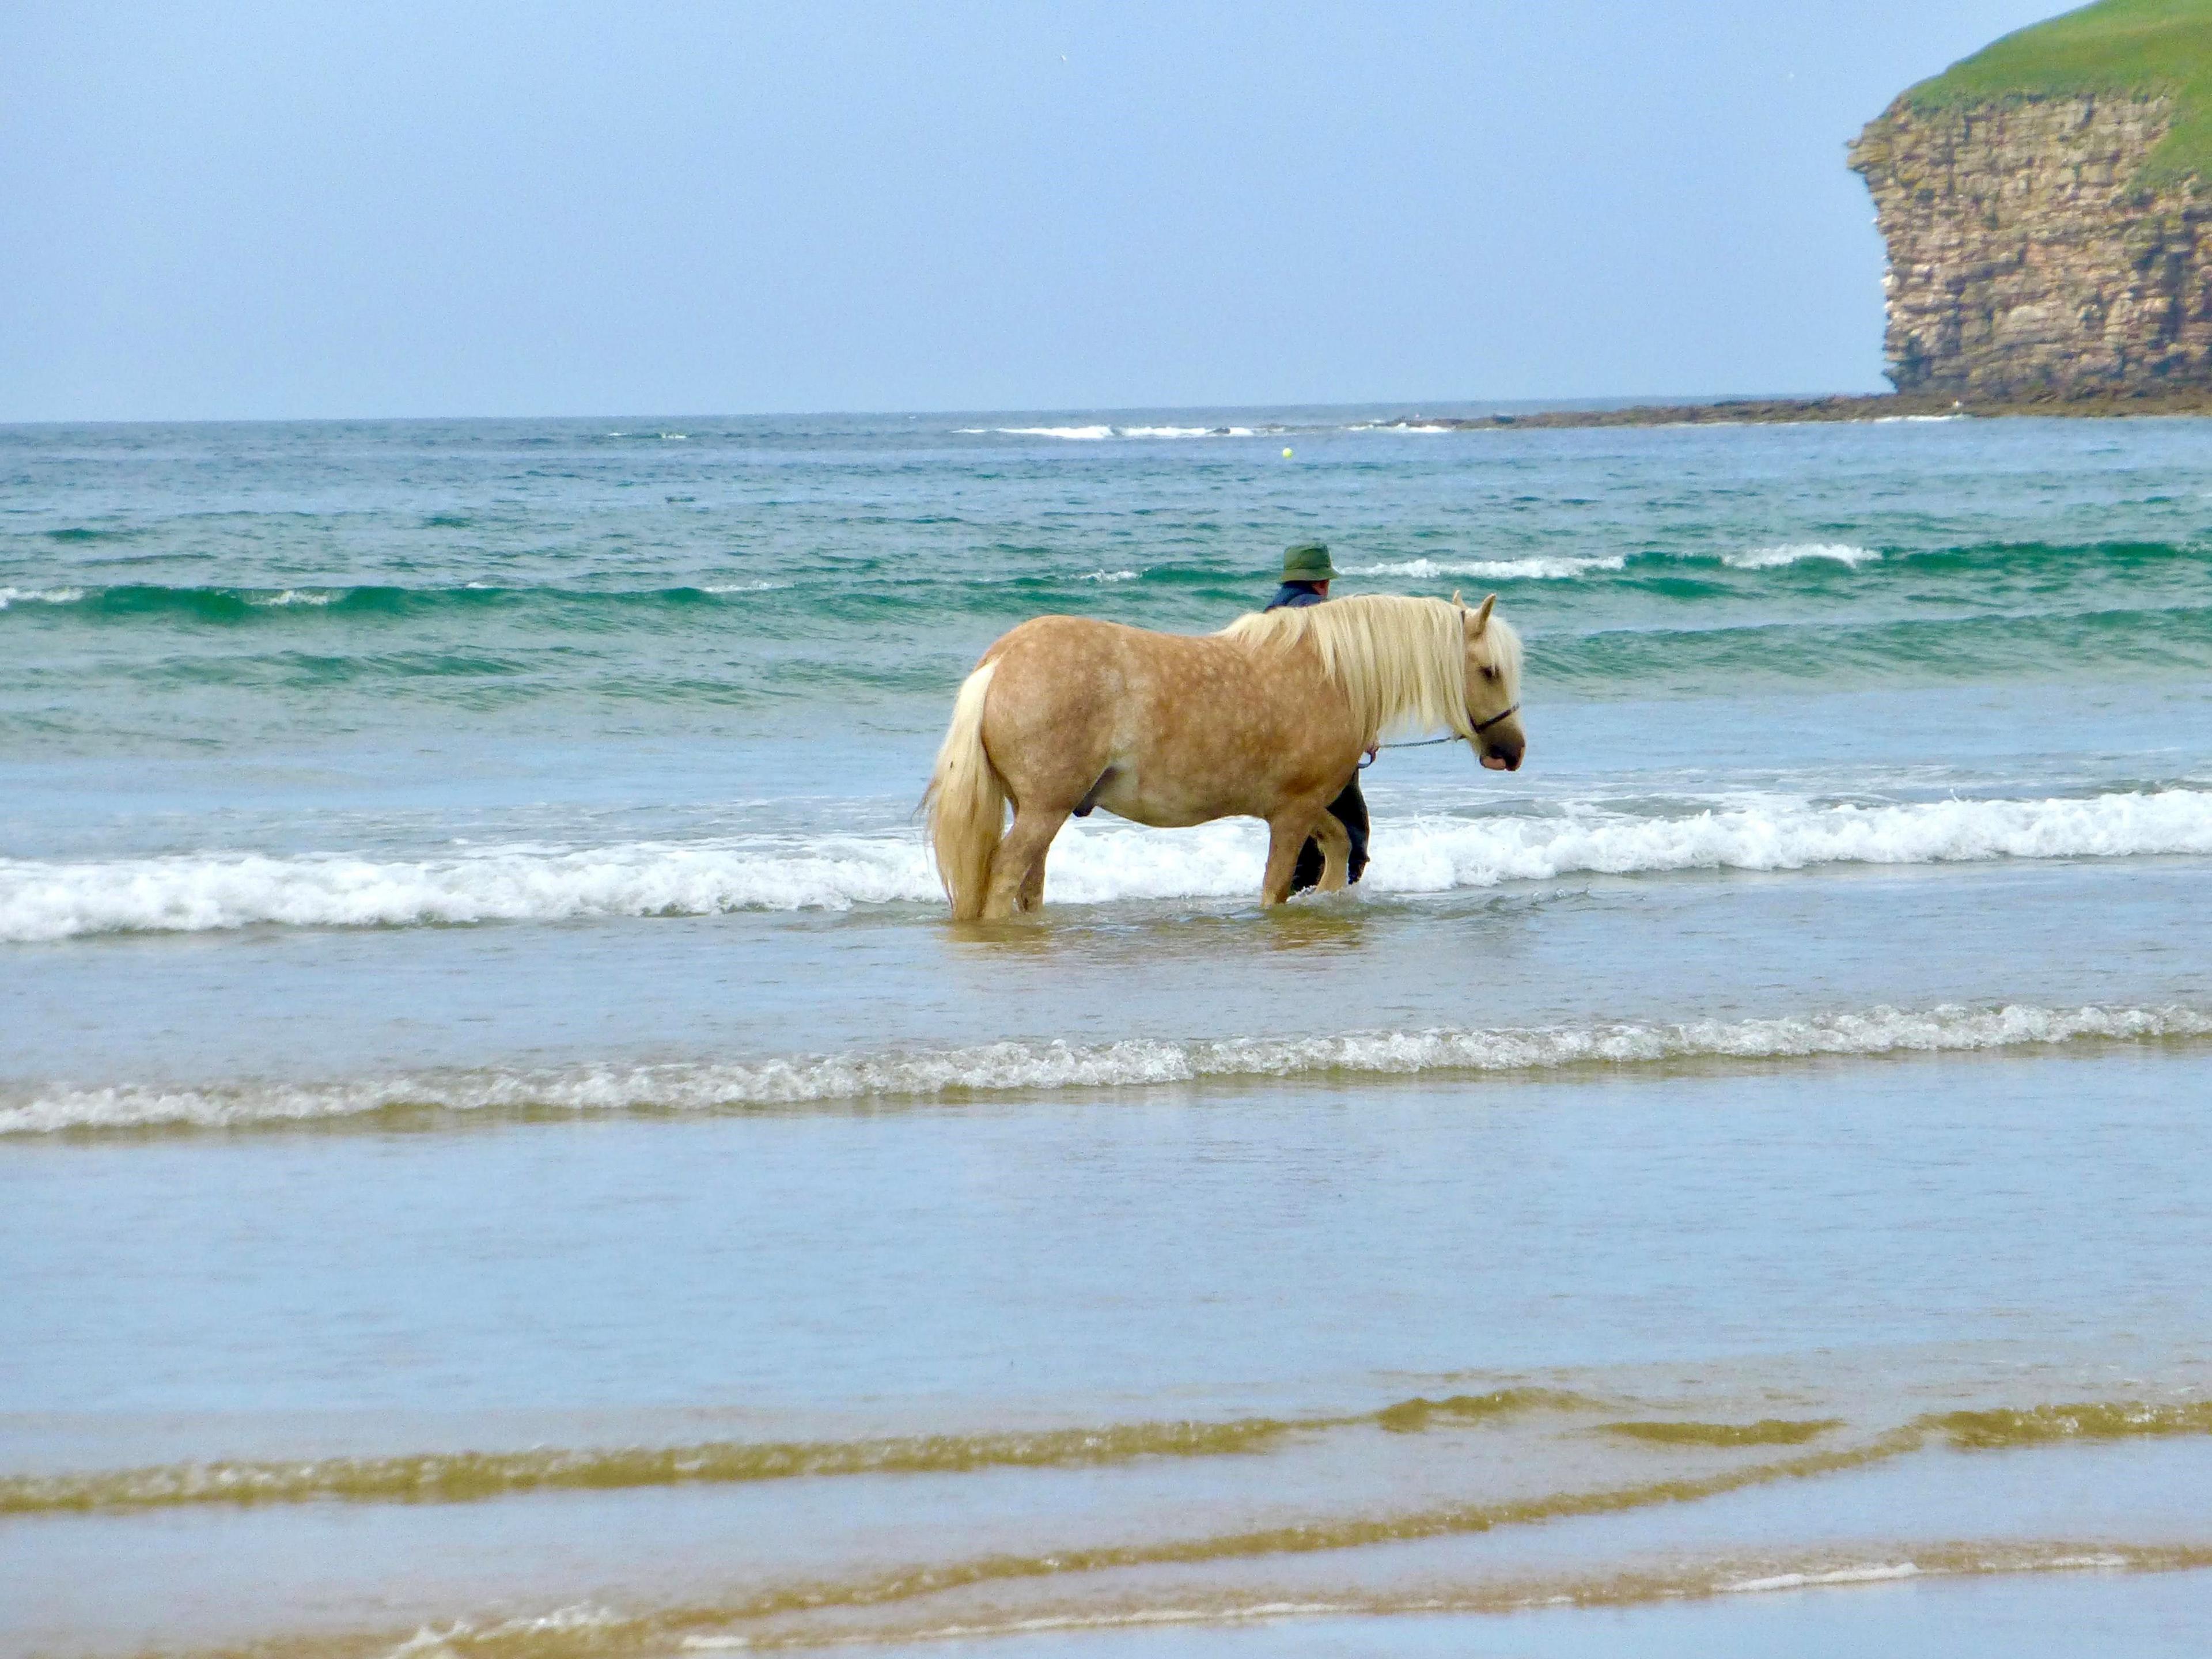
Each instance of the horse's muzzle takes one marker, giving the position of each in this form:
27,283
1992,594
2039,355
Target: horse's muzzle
1504,757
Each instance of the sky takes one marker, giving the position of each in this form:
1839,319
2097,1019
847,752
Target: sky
266,211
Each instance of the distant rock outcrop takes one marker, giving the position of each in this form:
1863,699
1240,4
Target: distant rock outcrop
2047,233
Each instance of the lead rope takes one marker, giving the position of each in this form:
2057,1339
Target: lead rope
1422,743
1430,743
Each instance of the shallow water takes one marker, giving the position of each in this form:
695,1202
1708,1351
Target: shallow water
497,1137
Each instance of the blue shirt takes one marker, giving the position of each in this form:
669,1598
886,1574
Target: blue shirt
1294,595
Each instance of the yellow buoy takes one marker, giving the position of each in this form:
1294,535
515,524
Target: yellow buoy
1286,454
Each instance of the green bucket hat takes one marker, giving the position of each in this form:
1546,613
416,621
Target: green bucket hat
1308,562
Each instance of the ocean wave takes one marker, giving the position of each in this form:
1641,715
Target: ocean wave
1767,1431
2172,642
1012,1594
1031,1067
203,606
1560,567
1785,835
82,532
1496,570
1984,609
2002,1429
1884,1574
1049,1596
200,893
1098,433
473,1476
43,901
39,596
462,1477
1775,558
1015,1596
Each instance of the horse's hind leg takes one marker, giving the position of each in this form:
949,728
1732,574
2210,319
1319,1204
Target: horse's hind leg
1017,867
1336,842
1031,896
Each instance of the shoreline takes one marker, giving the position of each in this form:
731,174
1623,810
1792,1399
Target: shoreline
1837,407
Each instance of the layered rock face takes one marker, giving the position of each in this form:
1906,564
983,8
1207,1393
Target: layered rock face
2025,258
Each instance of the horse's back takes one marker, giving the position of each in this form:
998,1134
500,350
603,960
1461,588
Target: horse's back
1084,639
1171,728
1071,653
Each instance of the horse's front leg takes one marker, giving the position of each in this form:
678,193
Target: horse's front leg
1286,833
1017,867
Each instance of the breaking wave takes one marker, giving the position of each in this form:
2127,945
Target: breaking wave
1000,1067
39,596
1097,433
1559,568
1496,570
44,900
1797,834
198,893
1774,558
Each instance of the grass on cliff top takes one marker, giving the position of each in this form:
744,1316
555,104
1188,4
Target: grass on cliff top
2143,46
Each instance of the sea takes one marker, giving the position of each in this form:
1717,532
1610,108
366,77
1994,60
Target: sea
504,1156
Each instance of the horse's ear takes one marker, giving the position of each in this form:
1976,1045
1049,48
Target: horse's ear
1458,600
1482,615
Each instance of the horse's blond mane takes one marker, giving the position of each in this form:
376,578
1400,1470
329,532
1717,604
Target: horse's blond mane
1401,661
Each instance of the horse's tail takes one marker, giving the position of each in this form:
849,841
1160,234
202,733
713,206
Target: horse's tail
967,802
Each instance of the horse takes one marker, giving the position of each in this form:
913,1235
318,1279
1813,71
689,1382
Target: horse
1266,719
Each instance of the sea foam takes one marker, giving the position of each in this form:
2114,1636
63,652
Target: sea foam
1092,863
1496,570
1775,558
1000,1067
39,596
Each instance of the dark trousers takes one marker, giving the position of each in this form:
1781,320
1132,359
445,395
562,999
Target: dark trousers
1350,809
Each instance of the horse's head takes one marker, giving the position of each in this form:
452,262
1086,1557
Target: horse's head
1493,686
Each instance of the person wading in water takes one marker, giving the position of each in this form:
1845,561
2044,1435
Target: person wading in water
1307,574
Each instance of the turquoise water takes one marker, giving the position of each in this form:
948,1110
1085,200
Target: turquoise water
497,1138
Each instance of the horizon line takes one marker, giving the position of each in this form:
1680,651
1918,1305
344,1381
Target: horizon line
1415,406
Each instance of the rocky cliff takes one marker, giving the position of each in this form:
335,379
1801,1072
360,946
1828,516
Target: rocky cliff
2045,202
2029,251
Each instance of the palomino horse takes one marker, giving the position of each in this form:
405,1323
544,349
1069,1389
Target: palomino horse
1266,719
